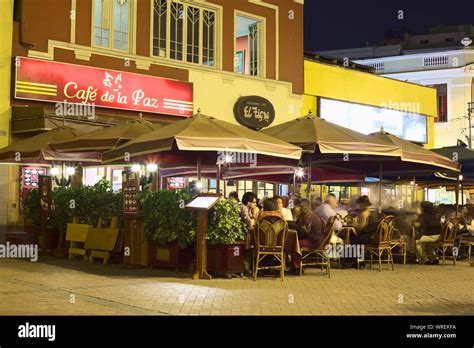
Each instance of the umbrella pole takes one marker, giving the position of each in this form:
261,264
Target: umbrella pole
414,189
380,187
218,179
457,195
294,184
309,179
199,167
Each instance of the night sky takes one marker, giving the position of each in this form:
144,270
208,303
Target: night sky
346,24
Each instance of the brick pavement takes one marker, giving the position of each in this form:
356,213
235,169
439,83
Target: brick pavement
48,287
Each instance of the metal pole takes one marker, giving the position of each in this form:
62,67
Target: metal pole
309,180
294,184
199,167
414,189
218,181
457,195
470,126
380,186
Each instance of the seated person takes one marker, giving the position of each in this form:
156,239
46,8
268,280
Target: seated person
367,221
428,228
248,209
270,208
302,216
288,216
327,210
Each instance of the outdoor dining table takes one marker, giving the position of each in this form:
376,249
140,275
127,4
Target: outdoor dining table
292,243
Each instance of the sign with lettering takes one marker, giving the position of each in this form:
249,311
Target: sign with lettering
254,112
77,84
130,191
45,186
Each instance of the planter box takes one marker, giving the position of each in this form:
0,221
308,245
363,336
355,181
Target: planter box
49,239
225,259
169,256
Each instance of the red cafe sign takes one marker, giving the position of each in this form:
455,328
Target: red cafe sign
61,82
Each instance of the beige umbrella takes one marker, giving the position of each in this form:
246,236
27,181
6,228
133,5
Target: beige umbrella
36,150
184,139
107,138
315,135
416,154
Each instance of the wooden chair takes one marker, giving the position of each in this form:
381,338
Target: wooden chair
76,234
400,244
319,256
350,219
382,242
446,239
465,243
269,237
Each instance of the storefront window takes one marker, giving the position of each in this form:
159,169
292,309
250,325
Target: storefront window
248,47
112,24
184,32
265,190
442,98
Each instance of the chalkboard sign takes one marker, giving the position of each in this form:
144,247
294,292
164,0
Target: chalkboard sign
45,186
254,112
130,190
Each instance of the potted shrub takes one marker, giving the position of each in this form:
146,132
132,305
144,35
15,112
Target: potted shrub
169,228
226,238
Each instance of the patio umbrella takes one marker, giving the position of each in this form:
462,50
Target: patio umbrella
415,154
202,140
105,139
36,150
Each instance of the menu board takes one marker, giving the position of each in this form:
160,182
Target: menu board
203,202
45,185
130,190
176,183
29,180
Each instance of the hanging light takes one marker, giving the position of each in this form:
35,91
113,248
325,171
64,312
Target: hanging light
136,168
152,168
299,173
54,171
199,185
70,170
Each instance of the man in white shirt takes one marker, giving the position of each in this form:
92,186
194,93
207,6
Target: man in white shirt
327,210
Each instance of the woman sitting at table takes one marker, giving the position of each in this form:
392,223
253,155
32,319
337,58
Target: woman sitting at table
285,211
428,229
366,222
302,216
248,209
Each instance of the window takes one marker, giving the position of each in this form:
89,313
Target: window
265,190
248,46
112,24
184,32
442,98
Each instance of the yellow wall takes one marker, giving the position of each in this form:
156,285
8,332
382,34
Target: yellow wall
324,80
6,32
215,93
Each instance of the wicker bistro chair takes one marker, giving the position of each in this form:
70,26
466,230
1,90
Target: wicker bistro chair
399,244
350,219
446,240
270,236
319,256
382,242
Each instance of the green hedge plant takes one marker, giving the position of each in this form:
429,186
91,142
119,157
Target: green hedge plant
225,224
164,218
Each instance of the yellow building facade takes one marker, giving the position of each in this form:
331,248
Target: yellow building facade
332,81
323,80
6,31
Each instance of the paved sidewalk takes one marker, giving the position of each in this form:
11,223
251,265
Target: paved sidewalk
64,287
